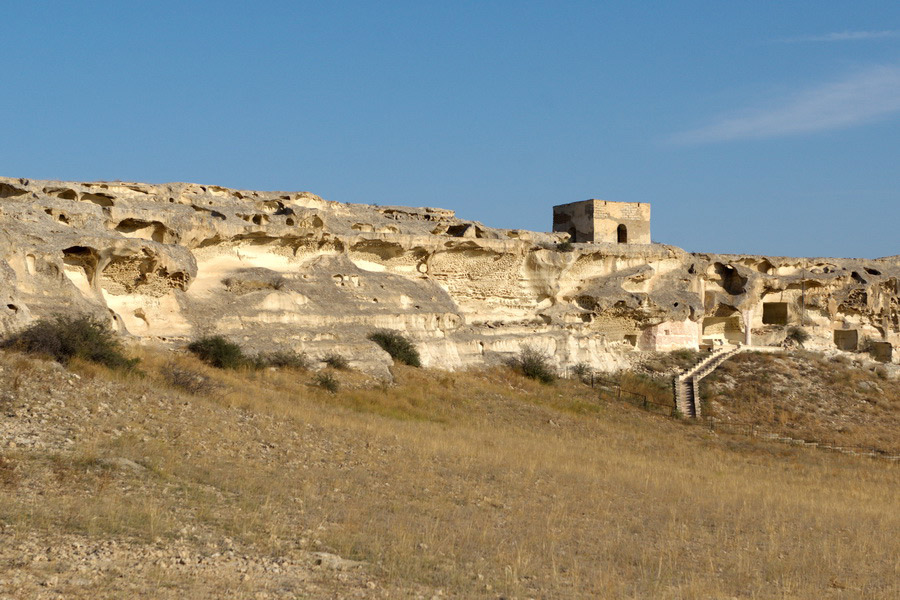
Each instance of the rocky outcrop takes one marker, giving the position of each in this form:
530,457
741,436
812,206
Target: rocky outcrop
289,269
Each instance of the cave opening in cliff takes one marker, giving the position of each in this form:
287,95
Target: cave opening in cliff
622,233
775,313
846,339
727,329
881,351
458,230
730,280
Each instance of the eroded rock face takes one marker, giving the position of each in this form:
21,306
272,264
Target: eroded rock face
291,270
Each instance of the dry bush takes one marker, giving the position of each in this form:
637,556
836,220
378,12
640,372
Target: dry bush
583,372
798,335
336,361
327,381
189,380
282,359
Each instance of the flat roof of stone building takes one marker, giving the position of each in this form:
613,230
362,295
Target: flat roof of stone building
597,200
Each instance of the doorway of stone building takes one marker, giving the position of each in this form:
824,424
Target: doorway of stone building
622,233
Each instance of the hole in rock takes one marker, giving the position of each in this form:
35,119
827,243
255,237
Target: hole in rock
881,351
846,339
150,230
98,199
775,313
8,191
62,193
732,282
457,230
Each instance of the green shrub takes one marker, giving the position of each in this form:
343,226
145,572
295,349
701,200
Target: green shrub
217,351
565,247
327,381
583,371
64,338
534,364
397,345
336,361
797,334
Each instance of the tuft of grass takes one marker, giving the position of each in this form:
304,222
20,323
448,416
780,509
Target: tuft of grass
565,247
397,345
583,371
217,351
64,338
283,359
327,381
336,361
534,364
189,380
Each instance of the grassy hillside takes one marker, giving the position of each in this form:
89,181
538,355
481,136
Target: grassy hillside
482,484
805,395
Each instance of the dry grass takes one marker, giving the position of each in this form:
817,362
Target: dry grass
484,484
808,396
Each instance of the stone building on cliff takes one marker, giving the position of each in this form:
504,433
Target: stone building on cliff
601,221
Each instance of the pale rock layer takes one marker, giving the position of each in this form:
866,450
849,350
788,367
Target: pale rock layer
290,270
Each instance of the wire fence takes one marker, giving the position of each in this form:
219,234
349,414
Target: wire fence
611,390
752,430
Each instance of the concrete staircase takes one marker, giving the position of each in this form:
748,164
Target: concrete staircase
687,384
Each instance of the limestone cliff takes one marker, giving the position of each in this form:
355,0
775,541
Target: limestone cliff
277,269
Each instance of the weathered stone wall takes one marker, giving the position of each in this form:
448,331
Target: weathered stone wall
576,219
610,216
602,221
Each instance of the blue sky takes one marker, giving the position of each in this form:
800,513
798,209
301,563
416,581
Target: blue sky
766,128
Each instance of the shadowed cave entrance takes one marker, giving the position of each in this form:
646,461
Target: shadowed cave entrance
775,313
846,339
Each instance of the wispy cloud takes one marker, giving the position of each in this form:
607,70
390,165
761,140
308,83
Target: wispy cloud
843,36
861,97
